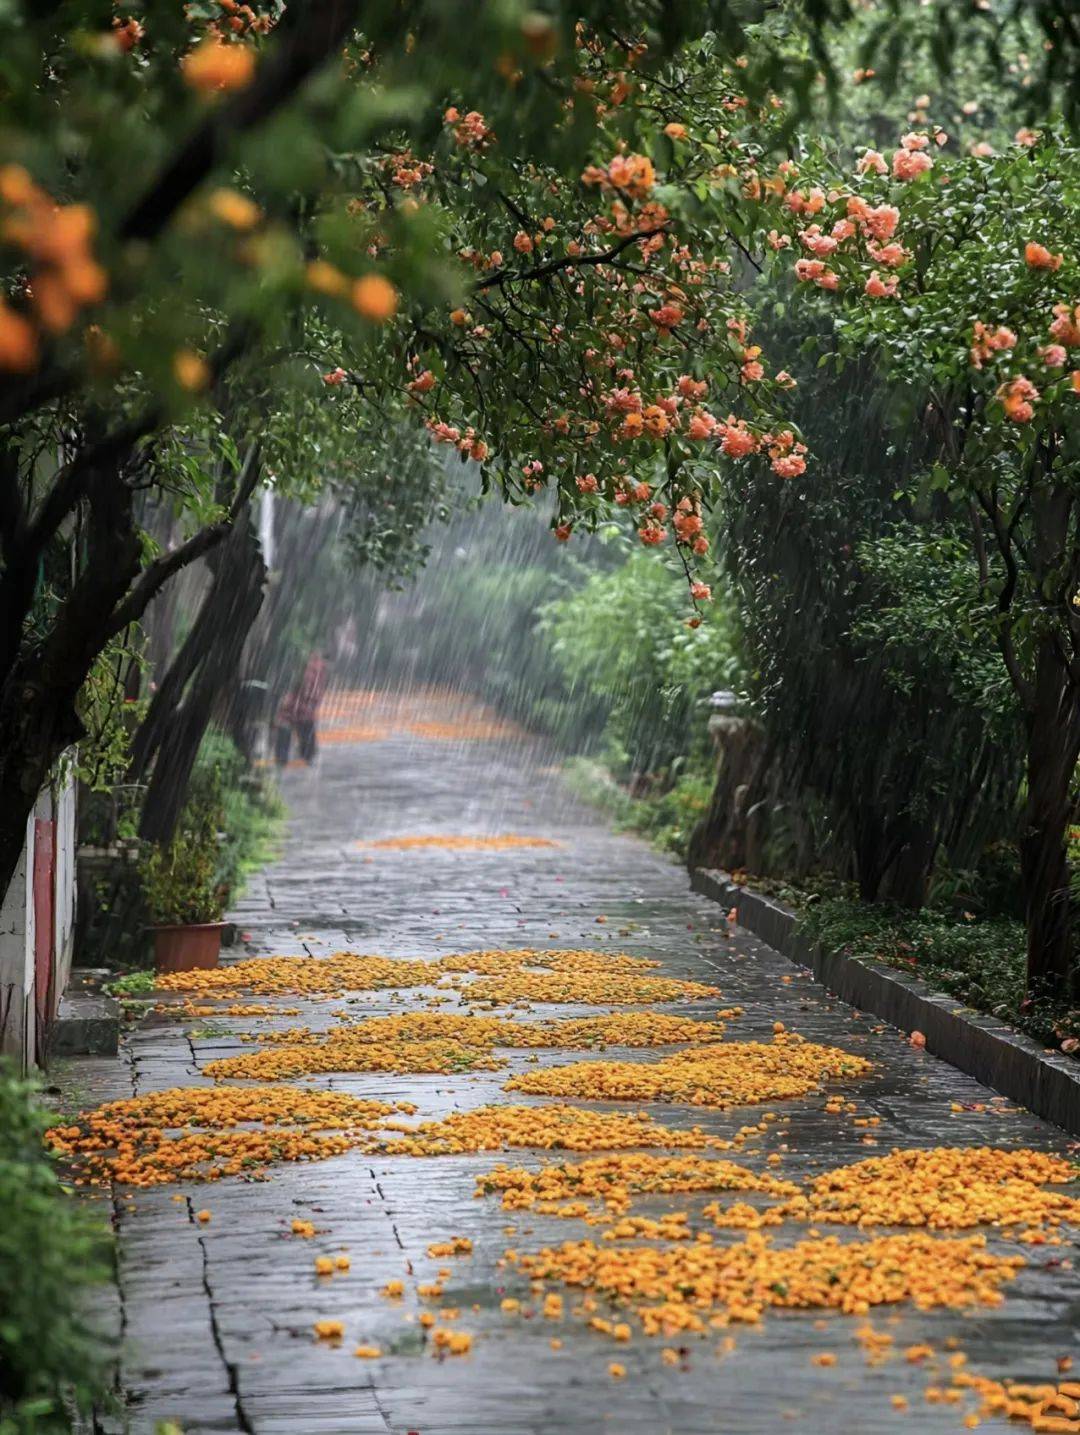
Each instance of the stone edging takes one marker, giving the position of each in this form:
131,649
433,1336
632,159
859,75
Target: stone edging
1046,1082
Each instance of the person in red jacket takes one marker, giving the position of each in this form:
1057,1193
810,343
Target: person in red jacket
283,728
306,703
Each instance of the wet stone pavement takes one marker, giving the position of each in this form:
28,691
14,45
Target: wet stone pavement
217,1318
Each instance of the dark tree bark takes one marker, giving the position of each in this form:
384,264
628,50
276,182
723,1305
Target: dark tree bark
41,681
1053,747
38,691
908,880
204,669
720,838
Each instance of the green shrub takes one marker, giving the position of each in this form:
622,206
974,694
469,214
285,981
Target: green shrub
980,962
667,817
248,813
623,640
181,883
51,1251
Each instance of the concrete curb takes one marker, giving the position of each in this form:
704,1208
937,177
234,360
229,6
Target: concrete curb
1046,1082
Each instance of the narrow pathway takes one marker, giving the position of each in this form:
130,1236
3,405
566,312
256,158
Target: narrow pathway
219,1314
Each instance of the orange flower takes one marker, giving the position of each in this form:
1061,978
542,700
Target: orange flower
18,342
666,317
190,370
909,164
632,173
1018,398
1038,257
234,209
375,298
324,278
878,288
655,420
423,383
214,66
738,440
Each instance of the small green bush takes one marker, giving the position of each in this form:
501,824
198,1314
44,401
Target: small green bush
980,962
51,1251
248,813
180,881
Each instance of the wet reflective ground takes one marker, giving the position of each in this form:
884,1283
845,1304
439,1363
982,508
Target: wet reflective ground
218,1318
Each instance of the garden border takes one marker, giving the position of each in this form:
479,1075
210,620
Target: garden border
1046,1082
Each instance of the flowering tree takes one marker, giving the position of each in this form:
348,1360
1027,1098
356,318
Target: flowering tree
959,274
178,186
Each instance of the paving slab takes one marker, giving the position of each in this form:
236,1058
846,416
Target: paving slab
219,1317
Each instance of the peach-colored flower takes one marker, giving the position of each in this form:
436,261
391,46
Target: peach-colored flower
702,425
880,222
908,164
666,317
423,383
986,342
891,255
821,245
656,421
738,440
872,162
1018,397
878,288
1065,328
691,388
1053,355
789,465
1037,256
809,270
632,173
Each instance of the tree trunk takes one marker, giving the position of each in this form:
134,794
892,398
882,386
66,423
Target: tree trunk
38,692
1053,731
869,846
228,611
909,876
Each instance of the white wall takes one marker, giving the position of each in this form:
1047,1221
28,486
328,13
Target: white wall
19,1033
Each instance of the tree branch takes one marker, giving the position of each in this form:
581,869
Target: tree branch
312,33
162,569
553,266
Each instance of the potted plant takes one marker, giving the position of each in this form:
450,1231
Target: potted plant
184,898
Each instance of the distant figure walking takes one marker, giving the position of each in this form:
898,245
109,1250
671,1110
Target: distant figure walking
283,728
306,705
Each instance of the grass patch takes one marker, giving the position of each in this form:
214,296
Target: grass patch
131,984
666,818
978,961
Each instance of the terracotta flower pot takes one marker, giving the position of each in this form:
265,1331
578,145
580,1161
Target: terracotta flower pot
184,949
